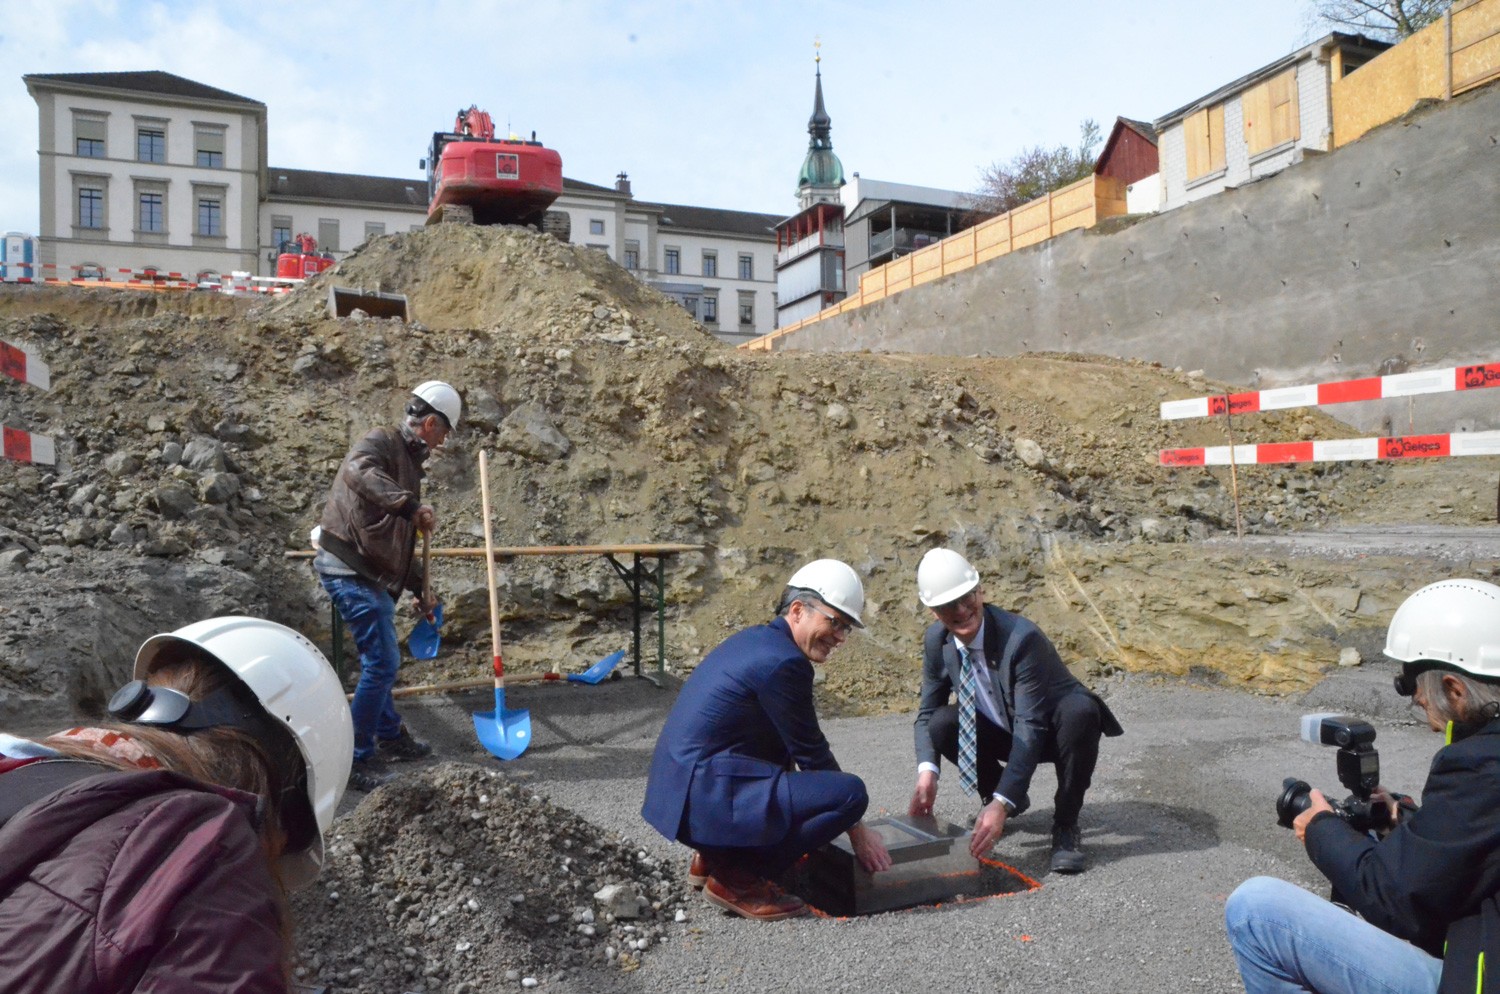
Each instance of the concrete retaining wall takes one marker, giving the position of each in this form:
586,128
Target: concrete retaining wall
1381,257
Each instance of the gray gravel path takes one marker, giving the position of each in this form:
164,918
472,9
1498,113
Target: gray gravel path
1181,811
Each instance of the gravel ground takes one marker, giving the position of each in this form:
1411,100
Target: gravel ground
1181,811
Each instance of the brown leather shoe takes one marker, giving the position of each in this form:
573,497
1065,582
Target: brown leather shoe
698,872
756,898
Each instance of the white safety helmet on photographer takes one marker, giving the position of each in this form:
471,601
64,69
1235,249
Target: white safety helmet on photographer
1453,623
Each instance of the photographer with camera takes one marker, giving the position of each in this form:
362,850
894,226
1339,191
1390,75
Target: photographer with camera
1425,894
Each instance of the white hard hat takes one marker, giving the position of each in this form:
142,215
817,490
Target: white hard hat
299,689
441,398
835,583
1454,623
943,577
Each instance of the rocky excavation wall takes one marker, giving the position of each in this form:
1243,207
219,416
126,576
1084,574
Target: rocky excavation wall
1375,259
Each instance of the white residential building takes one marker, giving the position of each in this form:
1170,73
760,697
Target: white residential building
1259,124
149,171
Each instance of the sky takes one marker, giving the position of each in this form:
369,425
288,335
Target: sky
701,103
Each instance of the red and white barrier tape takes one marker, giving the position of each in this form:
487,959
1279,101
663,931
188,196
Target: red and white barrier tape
25,446
1339,392
1465,443
20,364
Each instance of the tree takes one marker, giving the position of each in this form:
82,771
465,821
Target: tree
1388,20
1034,173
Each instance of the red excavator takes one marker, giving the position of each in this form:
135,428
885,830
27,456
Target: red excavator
475,178
299,259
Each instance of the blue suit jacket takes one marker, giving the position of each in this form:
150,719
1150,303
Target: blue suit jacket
742,718
1028,679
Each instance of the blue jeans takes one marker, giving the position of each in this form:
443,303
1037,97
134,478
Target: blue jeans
1287,939
824,805
370,615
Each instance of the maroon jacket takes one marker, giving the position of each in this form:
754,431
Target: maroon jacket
137,882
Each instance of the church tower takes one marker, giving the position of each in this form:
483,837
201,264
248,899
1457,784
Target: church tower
822,172
810,244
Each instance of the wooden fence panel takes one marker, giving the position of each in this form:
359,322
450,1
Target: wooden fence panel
1476,45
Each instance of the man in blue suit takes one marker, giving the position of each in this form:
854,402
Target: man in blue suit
742,772
1026,709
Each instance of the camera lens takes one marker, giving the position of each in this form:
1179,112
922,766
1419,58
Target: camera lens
1293,801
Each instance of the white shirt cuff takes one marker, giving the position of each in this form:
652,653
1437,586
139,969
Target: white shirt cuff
928,768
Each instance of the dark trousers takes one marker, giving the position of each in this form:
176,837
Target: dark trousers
1072,745
824,805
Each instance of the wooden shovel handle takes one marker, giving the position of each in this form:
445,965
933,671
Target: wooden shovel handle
489,568
426,567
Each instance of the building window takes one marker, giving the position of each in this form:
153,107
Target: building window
710,263
91,271
151,145
747,267
672,262
210,216
710,309
632,255
281,231
90,207
1203,133
328,234
747,308
374,229
88,137
596,226
151,216
1270,113
690,304
209,144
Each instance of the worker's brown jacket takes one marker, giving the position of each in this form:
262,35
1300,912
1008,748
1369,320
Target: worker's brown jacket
367,522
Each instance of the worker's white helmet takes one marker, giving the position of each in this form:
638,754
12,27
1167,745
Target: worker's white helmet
299,689
835,583
1454,624
441,398
943,576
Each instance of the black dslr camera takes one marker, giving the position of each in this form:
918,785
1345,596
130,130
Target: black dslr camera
1359,771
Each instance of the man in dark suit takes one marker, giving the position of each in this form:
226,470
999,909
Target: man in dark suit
1016,706
742,772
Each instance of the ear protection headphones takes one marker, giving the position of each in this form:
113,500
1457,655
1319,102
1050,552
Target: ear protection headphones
139,703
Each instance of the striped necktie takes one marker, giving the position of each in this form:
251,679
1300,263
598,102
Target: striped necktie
968,728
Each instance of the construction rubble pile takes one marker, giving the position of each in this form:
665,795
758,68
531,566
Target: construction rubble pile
456,879
197,435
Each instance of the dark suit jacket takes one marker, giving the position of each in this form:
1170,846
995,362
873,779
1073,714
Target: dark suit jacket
743,716
1028,680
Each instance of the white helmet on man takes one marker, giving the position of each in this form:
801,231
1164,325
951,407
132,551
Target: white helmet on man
835,583
298,688
1453,623
943,577
441,398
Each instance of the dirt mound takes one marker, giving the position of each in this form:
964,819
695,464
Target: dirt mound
196,429
456,879
464,277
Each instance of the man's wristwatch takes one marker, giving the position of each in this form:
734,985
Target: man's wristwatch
1010,809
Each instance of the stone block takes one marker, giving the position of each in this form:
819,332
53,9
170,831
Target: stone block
930,864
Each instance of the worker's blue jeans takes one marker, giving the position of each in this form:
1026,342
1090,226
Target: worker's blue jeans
1288,940
824,805
370,615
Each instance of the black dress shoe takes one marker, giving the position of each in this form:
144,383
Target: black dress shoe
1067,850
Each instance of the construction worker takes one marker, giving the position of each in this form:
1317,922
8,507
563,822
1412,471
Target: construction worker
366,541
1427,894
154,852
1021,707
742,772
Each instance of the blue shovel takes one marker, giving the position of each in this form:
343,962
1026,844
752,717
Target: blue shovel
424,639
504,733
